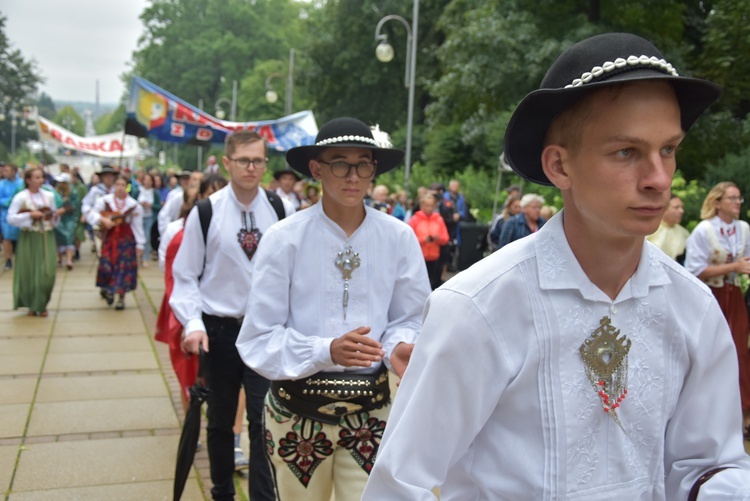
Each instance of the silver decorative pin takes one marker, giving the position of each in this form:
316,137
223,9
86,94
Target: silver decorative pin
347,261
605,358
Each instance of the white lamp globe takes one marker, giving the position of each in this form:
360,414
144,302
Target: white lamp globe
272,96
384,52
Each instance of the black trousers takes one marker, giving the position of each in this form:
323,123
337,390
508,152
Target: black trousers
224,373
435,272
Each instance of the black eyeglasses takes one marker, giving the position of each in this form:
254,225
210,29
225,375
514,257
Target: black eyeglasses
244,163
339,168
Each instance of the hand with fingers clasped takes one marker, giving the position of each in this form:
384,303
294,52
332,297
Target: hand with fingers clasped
192,342
355,349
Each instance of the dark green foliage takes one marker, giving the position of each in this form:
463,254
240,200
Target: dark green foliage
476,60
19,78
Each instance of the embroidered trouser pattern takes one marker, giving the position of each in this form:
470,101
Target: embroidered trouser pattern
310,459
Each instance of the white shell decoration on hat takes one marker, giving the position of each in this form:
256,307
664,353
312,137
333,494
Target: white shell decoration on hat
619,63
346,139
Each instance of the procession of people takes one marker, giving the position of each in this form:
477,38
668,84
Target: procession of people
600,352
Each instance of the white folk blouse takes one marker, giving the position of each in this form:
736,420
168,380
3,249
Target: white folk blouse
135,219
24,202
711,244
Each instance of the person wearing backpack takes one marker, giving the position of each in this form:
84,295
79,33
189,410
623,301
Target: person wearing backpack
212,278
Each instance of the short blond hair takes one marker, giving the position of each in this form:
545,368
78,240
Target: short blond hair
244,136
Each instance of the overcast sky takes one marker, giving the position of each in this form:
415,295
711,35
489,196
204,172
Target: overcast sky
76,42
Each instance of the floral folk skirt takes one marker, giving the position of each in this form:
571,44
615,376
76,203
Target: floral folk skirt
118,265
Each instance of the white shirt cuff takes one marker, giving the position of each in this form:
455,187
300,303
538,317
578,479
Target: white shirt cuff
193,325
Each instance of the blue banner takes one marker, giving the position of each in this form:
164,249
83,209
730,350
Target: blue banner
154,112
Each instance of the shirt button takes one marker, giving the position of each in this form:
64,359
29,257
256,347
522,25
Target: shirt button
613,309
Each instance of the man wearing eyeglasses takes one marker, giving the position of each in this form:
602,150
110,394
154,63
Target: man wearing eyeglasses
212,283
343,290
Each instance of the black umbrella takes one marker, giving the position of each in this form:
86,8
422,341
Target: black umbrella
191,429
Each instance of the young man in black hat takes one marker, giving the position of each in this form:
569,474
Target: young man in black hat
107,176
579,362
343,290
287,178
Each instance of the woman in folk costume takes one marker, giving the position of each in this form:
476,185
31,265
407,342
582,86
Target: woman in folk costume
717,253
168,328
120,217
34,211
65,231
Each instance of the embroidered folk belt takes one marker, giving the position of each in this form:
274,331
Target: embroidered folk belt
326,396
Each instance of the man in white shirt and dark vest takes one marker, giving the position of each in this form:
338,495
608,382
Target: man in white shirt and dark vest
578,362
343,290
212,276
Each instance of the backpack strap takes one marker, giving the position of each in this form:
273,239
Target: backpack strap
205,212
277,204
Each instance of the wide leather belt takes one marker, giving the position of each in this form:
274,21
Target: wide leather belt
326,396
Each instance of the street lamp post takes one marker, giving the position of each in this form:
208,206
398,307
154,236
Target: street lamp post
384,53
13,123
200,148
220,114
272,96
68,122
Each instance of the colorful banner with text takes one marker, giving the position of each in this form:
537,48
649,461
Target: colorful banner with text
106,145
154,112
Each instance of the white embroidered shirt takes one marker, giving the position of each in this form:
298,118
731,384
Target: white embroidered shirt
495,403
289,327
224,288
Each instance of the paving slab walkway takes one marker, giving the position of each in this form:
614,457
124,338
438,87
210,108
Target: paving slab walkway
89,405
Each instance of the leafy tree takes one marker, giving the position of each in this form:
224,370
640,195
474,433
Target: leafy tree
69,118
344,77
196,48
111,122
45,106
252,99
724,60
476,60
692,193
19,78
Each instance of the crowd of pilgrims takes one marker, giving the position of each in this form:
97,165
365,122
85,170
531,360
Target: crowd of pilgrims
139,216
126,211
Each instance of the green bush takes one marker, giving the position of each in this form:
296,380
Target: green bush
692,195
